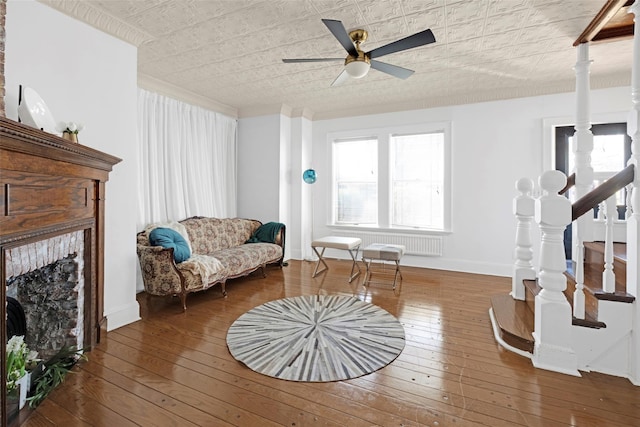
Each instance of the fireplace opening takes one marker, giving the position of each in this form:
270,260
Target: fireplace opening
50,297
16,320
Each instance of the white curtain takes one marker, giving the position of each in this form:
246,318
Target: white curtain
187,159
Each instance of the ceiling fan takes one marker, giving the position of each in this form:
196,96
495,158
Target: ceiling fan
357,62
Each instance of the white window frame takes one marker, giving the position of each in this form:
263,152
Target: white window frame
383,136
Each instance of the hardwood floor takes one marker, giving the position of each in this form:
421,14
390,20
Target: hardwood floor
174,369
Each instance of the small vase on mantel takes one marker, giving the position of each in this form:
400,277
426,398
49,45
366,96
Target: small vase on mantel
70,136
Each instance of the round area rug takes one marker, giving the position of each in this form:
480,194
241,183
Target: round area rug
316,338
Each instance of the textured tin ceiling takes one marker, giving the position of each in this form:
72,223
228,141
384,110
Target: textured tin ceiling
229,52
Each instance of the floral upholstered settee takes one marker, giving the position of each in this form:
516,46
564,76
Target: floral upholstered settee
216,250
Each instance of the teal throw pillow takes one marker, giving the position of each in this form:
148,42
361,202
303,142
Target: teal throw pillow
168,238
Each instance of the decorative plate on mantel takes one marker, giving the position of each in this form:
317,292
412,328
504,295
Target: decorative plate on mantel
34,112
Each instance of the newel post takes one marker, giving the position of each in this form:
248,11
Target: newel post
523,209
552,331
633,220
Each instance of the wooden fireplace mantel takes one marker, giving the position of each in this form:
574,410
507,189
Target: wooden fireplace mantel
49,187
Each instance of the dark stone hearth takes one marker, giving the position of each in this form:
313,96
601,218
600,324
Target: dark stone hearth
49,298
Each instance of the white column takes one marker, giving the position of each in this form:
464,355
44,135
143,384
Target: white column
633,221
583,226
552,330
583,137
523,209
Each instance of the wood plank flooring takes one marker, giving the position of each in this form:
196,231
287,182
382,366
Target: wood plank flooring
174,369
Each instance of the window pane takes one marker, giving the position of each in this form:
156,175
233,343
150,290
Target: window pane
607,155
417,180
356,181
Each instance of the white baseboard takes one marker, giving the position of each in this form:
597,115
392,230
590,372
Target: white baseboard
123,315
436,263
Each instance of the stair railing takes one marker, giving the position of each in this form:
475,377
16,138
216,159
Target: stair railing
601,193
523,209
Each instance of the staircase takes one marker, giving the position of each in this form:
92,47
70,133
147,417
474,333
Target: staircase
580,318
585,318
515,319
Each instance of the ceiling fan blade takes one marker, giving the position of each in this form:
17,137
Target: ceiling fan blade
394,70
340,33
419,39
290,61
342,77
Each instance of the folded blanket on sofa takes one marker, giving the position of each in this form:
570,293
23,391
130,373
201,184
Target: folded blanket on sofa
266,233
207,267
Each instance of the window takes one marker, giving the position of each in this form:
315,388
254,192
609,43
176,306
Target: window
610,154
392,178
417,180
356,181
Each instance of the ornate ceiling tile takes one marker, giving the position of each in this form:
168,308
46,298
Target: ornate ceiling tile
230,52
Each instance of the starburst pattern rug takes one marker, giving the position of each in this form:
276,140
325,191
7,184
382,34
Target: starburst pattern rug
316,338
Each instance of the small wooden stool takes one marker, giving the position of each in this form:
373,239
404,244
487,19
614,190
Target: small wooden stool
349,244
382,252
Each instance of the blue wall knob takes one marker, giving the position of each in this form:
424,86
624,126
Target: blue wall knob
309,176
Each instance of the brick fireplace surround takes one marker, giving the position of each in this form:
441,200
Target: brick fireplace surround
50,187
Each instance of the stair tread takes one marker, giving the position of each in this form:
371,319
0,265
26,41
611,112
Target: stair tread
590,319
533,286
599,293
619,249
515,320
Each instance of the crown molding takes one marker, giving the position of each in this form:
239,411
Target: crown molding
264,110
476,97
97,18
167,89
623,79
303,112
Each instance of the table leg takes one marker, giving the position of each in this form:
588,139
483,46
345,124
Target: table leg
320,260
395,276
367,275
354,265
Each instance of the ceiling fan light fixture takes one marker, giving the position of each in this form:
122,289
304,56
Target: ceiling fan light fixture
357,69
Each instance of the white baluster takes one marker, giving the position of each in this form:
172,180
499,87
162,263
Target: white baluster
608,276
602,208
627,201
578,256
523,209
552,330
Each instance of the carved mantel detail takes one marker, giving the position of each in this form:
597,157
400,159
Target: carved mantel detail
50,187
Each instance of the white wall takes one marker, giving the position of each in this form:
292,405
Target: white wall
259,151
493,145
85,76
299,227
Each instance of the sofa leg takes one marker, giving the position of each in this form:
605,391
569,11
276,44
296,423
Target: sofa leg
264,272
183,300
224,290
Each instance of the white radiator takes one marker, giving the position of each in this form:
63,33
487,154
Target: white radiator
414,244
